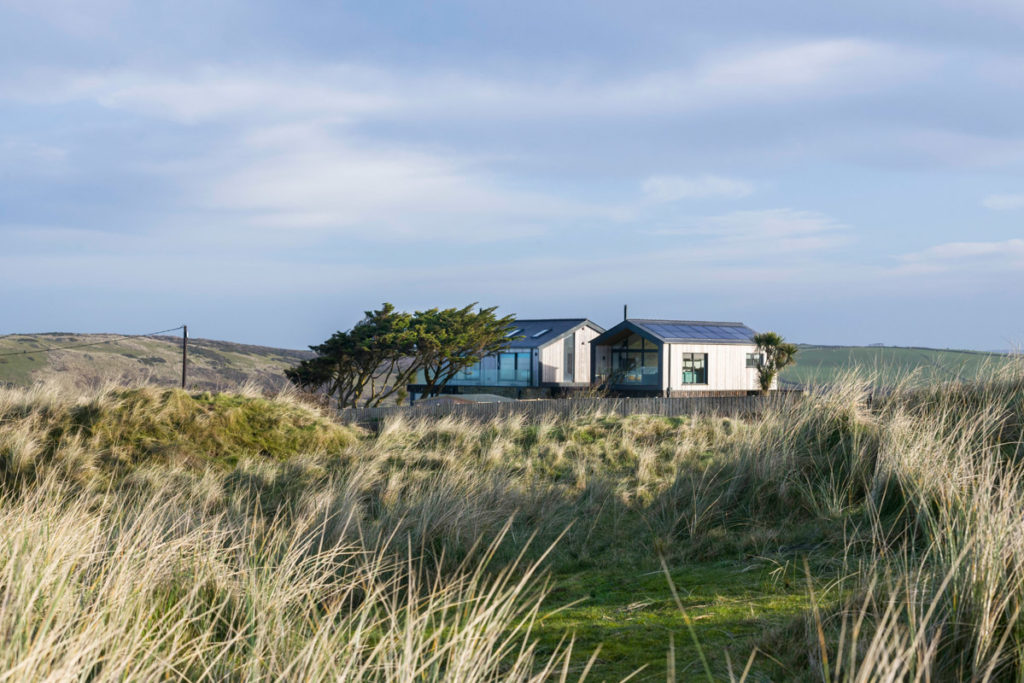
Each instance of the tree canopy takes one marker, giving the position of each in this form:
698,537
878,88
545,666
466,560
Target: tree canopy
365,363
383,353
450,339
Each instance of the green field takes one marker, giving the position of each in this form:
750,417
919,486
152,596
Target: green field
887,365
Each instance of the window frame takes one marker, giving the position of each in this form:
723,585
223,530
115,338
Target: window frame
687,360
521,362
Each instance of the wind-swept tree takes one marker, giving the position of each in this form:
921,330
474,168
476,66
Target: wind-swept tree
776,354
368,364
451,339
377,358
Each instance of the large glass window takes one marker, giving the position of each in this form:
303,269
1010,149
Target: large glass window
754,360
514,366
635,361
695,368
471,372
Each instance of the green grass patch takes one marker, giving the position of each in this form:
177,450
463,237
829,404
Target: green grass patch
630,613
20,369
889,364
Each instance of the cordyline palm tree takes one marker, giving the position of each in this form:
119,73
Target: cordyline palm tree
776,353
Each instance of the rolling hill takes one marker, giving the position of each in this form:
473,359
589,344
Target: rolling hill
823,364
227,365
150,360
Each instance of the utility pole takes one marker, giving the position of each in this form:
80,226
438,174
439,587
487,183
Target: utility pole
184,354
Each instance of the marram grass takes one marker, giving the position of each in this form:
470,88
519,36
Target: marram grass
157,534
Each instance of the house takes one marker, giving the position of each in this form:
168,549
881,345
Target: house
550,357
676,358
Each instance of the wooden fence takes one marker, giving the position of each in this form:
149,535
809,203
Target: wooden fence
535,410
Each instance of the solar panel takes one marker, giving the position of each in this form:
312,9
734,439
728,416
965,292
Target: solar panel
696,332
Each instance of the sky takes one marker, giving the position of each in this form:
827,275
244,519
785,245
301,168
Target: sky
264,172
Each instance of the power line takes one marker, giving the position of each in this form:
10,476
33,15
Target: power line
79,346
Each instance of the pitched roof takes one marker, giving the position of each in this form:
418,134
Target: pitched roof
686,331
536,333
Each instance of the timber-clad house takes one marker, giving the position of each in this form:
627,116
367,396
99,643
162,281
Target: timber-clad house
676,358
638,357
546,358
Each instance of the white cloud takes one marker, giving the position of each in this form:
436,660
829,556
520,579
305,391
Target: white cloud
665,188
957,251
977,259
287,146
775,229
812,65
306,176
216,93
750,74
1003,202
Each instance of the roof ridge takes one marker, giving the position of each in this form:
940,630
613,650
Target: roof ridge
544,320
685,322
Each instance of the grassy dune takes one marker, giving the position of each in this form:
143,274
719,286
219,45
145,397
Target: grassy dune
153,534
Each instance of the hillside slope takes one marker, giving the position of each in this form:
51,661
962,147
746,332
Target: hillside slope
825,364
151,360
223,365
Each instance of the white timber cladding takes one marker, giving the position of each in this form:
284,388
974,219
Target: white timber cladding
551,362
583,336
727,367
552,358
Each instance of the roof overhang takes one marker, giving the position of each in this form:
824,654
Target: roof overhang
624,329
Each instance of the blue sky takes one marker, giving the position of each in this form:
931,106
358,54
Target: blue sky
265,171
